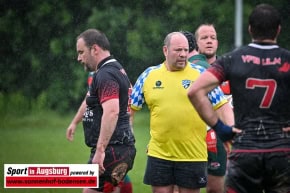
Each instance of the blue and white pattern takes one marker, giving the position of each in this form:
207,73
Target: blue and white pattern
137,97
216,95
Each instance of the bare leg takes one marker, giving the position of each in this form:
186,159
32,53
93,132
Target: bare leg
176,189
186,190
163,189
87,190
215,184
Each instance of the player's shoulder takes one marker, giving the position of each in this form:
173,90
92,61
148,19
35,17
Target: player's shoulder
197,67
284,51
150,70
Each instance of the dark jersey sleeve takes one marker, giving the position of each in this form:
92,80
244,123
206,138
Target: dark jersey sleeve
109,89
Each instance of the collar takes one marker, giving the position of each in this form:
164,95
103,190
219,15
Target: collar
197,57
106,61
164,67
263,45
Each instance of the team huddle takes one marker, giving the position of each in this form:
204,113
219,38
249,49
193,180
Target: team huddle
232,138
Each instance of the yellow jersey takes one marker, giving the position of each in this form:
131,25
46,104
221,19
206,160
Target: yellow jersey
177,132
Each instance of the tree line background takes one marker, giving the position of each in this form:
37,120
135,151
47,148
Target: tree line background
39,68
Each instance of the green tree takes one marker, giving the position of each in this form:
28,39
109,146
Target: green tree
38,40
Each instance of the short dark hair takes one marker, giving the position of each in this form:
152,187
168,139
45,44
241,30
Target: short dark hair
94,36
264,22
191,40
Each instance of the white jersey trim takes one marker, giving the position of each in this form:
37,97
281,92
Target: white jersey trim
265,47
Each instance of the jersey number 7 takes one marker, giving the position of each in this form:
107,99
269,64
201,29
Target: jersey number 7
269,84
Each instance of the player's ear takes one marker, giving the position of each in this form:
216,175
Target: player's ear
95,48
165,50
249,29
278,30
217,43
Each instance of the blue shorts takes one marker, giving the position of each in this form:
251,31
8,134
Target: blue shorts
217,162
191,175
119,159
259,172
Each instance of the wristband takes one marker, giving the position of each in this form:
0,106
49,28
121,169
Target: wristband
223,131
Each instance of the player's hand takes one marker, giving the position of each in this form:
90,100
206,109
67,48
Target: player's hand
236,130
99,158
286,129
225,132
70,131
227,146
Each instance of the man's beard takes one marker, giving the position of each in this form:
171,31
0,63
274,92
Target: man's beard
87,68
207,55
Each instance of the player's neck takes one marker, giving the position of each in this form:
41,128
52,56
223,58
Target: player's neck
211,59
268,41
192,53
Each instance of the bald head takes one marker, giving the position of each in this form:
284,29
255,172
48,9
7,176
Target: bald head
174,36
175,50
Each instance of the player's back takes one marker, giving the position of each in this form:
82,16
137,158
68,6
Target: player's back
260,85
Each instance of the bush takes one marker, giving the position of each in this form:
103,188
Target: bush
40,103
14,104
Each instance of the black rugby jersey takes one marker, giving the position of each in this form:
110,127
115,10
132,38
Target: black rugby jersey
110,81
259,76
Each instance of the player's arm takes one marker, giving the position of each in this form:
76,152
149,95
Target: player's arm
108,124
226,114
198,96
76,120
132,113
137,98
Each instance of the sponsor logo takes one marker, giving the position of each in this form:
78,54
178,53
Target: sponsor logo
51,176
214,165
158,84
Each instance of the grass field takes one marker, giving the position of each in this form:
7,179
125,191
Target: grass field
40,139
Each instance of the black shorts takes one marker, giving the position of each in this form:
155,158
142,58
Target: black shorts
217,162
161,172
259,172
119,159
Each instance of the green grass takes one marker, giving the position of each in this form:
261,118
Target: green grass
40,139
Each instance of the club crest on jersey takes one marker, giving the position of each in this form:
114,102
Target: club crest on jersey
186,83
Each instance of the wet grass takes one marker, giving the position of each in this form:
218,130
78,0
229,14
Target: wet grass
39,138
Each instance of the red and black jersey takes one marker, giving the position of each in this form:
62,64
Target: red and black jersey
109,82
259,76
